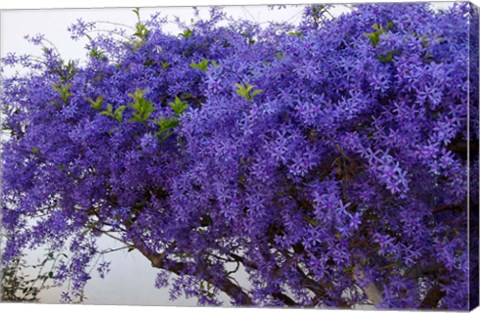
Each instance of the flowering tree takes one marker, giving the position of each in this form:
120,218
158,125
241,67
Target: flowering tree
326,161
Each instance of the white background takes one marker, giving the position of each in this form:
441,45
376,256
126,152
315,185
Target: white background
139,282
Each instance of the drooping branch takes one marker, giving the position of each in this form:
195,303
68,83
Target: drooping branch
181,268
284,298
317,288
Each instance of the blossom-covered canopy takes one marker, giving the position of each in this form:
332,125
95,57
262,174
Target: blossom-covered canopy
327,162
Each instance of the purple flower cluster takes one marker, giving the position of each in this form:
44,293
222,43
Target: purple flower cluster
328,161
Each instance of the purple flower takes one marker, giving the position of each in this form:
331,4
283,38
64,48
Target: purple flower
343,153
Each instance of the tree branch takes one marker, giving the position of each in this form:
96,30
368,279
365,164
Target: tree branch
180,268
284,298
277,295
432,298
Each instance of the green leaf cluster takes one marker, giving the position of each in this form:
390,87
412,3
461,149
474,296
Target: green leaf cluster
178,106
141,34
318,13
187,33
141,106
202,66
387,58
379,31
95,104
117,114
95,53
246,91
375,36
279,55
65,72
137,12
64,91
375,40
142,111
294,34
167,125
141,31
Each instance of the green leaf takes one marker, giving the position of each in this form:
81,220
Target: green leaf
149,62
379,31
187,33
137,12
139,93
388,58
35,151
119,113
279,55
141,31
109,111
200,66
295,34
166,124
179,106
245,91
70,70
96,104
385,58
165,65
424,40
64,92
375,36
97,54
256,92
143,108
